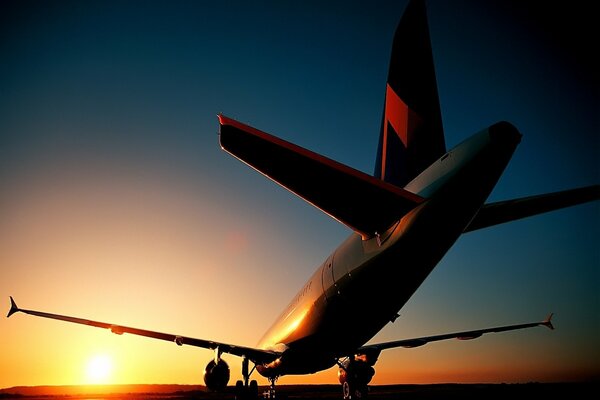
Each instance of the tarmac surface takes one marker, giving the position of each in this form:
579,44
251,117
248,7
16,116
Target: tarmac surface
392,392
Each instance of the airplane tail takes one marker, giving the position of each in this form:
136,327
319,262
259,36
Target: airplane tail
411,136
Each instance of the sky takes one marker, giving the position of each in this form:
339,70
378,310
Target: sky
117,204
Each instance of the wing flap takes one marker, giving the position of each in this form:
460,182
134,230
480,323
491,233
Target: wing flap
360,201
258,356
510,210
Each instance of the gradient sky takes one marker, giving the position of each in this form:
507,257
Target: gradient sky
117,204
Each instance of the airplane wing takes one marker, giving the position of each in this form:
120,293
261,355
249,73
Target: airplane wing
360,201
510,210
257,356
465,335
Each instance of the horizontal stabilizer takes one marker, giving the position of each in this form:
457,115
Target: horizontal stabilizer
510,210
360,201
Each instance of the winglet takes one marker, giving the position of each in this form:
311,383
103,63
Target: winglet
13,307
548,321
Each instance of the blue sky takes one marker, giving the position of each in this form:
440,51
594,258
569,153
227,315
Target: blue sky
108,121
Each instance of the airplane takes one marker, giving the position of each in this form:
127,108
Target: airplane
404,219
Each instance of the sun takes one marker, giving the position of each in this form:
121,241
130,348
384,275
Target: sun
99,369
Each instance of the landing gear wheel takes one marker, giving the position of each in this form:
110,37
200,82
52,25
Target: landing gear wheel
246,389
246,392
346,391
253,389
361,392
353,392
239,390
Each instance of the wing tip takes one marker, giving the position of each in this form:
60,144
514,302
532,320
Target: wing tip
548,322
13,307
224,120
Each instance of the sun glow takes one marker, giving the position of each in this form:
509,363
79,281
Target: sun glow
99,369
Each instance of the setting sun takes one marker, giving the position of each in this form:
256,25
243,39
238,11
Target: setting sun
99,369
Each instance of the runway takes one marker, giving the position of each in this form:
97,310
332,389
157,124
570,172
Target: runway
388,392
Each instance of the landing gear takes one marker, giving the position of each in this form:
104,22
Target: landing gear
246,390
270,394
355,375
243,392
354,391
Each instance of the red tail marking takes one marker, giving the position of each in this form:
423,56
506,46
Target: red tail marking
396,114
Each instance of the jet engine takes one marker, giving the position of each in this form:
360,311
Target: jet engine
216,375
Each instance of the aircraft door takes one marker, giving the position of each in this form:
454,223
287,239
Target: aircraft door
327,276
340,269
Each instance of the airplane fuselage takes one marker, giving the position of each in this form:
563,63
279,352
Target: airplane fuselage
363,284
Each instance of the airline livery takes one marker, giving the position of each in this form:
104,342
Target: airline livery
404,219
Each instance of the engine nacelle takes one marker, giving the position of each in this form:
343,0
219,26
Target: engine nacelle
216,375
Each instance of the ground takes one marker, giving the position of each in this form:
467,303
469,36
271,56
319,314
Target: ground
390,392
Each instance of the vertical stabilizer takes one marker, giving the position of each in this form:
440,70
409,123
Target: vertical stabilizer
411,136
